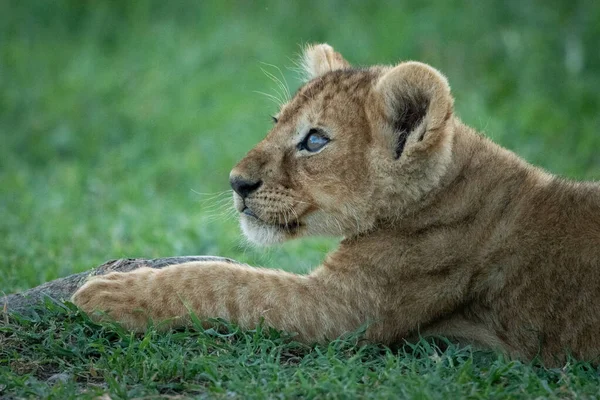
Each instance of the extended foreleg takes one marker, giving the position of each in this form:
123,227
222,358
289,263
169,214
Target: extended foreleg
295,303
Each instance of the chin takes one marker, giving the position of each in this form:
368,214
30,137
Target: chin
261,234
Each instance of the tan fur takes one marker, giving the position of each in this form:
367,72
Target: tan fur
448,235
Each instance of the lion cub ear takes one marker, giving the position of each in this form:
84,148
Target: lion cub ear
321,58
416,101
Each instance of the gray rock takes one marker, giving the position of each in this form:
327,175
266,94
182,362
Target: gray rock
63,288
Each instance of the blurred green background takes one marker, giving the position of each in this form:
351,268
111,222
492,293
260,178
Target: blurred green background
120,120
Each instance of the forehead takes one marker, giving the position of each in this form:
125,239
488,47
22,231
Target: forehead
331,93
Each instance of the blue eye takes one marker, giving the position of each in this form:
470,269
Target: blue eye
313,141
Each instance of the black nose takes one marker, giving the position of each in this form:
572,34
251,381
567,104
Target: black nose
244,187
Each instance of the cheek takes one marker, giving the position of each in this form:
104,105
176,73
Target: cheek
336,181
346,168
324,187
311,168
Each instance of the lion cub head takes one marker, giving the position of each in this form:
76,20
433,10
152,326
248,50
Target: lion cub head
353,148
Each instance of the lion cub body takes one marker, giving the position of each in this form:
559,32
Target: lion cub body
446,233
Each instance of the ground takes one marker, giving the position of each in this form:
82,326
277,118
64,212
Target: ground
120,121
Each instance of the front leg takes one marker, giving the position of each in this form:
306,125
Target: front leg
305,305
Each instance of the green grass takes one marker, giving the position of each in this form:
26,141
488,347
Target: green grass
84,360
120,121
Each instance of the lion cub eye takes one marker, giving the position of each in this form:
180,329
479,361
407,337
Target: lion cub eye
315,140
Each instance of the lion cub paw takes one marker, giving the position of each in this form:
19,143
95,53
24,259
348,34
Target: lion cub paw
118,296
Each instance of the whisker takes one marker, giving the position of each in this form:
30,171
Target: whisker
279,90
220,209
221,215
211,194
274,99
216,204
281,86
282,81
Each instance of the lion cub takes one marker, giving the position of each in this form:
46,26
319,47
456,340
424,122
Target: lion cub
445,232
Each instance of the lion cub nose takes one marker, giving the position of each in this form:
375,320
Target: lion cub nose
243,186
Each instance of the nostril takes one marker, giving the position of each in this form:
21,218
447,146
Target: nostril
244,187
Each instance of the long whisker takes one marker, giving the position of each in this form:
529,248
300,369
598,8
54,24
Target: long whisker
221,215
210,193
217,205
279,90
282,81
283,87
207,197
274,99
276,81
217,199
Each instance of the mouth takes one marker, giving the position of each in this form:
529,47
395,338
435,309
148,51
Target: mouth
290,226
249,213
